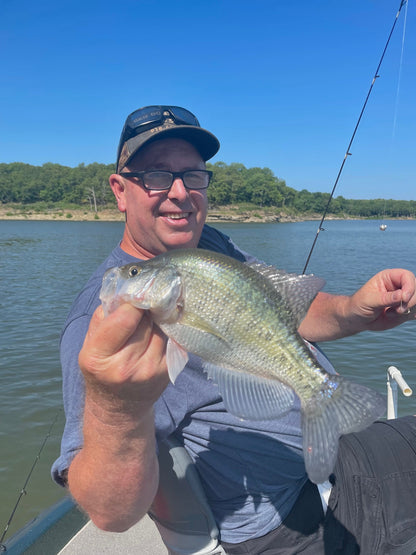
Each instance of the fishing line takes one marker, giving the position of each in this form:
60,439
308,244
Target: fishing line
396,107
348,153
23,490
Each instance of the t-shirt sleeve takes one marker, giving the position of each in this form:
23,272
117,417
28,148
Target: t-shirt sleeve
73,396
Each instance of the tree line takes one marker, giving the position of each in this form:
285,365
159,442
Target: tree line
87,185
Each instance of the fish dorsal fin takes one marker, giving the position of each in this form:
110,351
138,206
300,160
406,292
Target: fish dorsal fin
248,396
298,291
176,359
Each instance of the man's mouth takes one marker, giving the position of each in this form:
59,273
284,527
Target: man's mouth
176,215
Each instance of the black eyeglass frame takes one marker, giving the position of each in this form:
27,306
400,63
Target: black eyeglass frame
174,175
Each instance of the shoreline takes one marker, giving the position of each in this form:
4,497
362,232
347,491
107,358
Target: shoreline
222,214
230,214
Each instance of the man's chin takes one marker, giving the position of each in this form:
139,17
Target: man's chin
183,240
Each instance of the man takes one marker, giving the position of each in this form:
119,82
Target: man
121,402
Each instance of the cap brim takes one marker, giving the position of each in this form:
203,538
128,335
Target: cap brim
205,142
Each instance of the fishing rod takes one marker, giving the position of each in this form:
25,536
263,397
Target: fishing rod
23,490
348,153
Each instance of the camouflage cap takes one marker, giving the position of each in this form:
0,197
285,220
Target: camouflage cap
152,123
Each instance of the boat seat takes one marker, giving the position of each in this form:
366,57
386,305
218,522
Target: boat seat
180,509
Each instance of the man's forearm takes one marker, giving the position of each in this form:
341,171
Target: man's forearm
329,317
386,300
114,478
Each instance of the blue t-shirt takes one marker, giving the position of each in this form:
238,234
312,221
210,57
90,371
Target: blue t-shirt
252,472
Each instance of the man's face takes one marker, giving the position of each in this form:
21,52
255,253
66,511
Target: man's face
157,221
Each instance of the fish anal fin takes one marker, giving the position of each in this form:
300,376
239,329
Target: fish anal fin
248,396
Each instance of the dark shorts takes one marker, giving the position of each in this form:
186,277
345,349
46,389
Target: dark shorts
372,506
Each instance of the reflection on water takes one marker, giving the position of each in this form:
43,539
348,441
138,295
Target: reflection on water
16,242
43,265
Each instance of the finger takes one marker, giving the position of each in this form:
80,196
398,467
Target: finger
392,298
107,335
157,344
402,281
409,289
408,296
96,318
150,358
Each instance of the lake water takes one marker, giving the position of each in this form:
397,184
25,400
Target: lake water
44,264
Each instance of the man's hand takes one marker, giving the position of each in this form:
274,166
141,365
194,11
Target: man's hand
115,475
386,300
123,357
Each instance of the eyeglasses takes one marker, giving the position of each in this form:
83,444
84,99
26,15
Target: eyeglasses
146,118
162,180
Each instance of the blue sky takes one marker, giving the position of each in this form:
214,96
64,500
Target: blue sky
281,83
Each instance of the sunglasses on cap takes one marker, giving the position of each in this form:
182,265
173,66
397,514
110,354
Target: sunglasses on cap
146,118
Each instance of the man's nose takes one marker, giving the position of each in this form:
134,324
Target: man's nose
178,189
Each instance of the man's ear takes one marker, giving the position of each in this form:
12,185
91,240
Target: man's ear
118,187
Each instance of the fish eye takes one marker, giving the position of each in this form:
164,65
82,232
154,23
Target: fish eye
134,270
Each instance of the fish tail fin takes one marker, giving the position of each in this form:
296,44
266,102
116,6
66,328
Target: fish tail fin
342,408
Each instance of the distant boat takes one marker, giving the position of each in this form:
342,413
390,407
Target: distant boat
383,227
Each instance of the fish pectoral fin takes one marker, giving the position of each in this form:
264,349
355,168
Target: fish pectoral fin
248,396
350,408
194,321
176,358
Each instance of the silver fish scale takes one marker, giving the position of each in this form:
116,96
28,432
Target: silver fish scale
234,318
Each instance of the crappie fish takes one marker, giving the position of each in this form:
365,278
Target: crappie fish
242,320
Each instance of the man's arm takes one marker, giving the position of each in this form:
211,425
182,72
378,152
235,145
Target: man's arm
385,301
114,478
